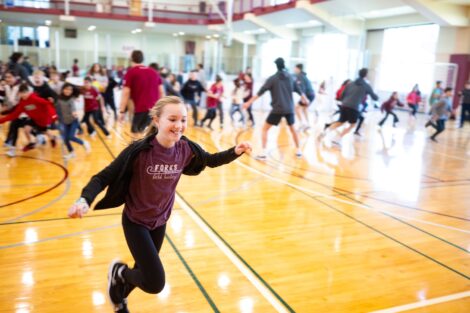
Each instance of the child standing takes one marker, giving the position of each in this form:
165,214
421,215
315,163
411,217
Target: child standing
440,112
156,162
93,102
213,97
68,119
237,100
388,107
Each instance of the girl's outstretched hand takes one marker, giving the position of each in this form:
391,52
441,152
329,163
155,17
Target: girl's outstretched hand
79,208
243,147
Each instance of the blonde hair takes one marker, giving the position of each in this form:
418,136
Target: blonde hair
38,73
157,109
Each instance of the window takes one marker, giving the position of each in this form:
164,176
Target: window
41,4
408,58
43,36
270,51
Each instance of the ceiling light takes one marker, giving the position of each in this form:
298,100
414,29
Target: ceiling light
181,33
138,30
91,28
175,35
216,35
150,24
48,22
208,37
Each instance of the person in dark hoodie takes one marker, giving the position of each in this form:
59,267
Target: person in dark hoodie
281,86
144,178
306,88
16,67
352,98
388,107
191,90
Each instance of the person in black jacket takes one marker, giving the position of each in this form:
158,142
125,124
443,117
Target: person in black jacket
143,178
191,89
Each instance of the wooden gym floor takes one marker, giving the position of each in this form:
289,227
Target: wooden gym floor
381,224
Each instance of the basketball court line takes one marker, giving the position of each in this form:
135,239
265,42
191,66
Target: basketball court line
334,198
263,287
425,303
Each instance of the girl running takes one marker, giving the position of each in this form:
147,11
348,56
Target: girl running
237,100
156,162
388,107
93,102
413,99
214,95
68,119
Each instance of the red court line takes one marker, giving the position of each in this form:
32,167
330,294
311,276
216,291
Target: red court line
66,174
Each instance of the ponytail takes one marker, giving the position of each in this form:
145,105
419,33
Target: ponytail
157,110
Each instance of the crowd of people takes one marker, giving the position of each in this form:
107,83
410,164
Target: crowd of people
42,100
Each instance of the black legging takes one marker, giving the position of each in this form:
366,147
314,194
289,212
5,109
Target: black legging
439,127
220,109
148,273
395,118
250,113
465,114
210,115
414,108
15,125
98,121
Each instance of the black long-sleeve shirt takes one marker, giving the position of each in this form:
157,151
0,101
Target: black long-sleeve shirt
191,88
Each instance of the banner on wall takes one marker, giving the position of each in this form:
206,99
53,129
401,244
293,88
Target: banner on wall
135,7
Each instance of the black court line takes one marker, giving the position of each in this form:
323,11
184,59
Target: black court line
186,265
344,191
380,232
346,195
193,276
266,284
66,173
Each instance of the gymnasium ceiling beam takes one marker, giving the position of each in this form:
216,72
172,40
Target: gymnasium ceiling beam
444,14
280,31
350,26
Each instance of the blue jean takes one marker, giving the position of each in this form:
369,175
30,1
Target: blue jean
68,134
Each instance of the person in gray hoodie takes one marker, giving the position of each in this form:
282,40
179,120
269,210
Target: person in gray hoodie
281,86
351,99
440,112
68,119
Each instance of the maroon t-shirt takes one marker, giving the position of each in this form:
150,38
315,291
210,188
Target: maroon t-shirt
155,174
90,97
144,83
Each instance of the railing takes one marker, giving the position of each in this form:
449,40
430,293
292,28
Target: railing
162,9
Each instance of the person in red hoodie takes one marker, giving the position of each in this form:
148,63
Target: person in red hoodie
388,107
214,96
41,113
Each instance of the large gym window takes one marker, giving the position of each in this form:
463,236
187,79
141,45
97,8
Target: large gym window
408,57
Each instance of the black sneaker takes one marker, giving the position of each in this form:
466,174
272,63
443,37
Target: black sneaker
116,286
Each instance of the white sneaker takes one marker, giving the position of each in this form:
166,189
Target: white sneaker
11,152
261,157
41,139
87,146
93,134
336,142
321,136
7,145
298,154
69,156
